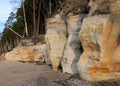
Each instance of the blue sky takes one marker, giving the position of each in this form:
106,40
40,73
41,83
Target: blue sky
5,8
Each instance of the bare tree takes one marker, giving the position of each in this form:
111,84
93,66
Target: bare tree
26,29
50,4
15,32
38,21
34,17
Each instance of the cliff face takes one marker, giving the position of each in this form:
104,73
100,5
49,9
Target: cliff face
99,34
100,40
86,43
55,39
72,50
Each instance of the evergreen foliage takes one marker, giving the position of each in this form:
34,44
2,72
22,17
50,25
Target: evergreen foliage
35,11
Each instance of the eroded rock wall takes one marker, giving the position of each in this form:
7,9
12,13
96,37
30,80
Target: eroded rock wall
100,37
100,41
73,49
55,39
88,44
30,50
92,65
33,53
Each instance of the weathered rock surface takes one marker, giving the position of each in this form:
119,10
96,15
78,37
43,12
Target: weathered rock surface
100,41
99,7
41,53
31,53
72,50
33,41
99,36
55,39
115,8
74,6
20,54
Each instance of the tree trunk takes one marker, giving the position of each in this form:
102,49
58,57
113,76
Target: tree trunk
15,32
26,29
38,21
50,6
34,18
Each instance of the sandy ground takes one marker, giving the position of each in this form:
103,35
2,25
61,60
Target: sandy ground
26,74
31,74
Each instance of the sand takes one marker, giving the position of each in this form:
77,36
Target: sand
31,74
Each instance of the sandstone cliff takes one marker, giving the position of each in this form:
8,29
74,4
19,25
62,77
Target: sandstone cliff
99,34
83,41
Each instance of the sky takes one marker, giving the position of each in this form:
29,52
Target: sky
5,8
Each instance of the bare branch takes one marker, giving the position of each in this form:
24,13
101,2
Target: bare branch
15,32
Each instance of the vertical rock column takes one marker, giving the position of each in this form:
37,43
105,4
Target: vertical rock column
72,50
91,66
113,39
100,37
55,39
